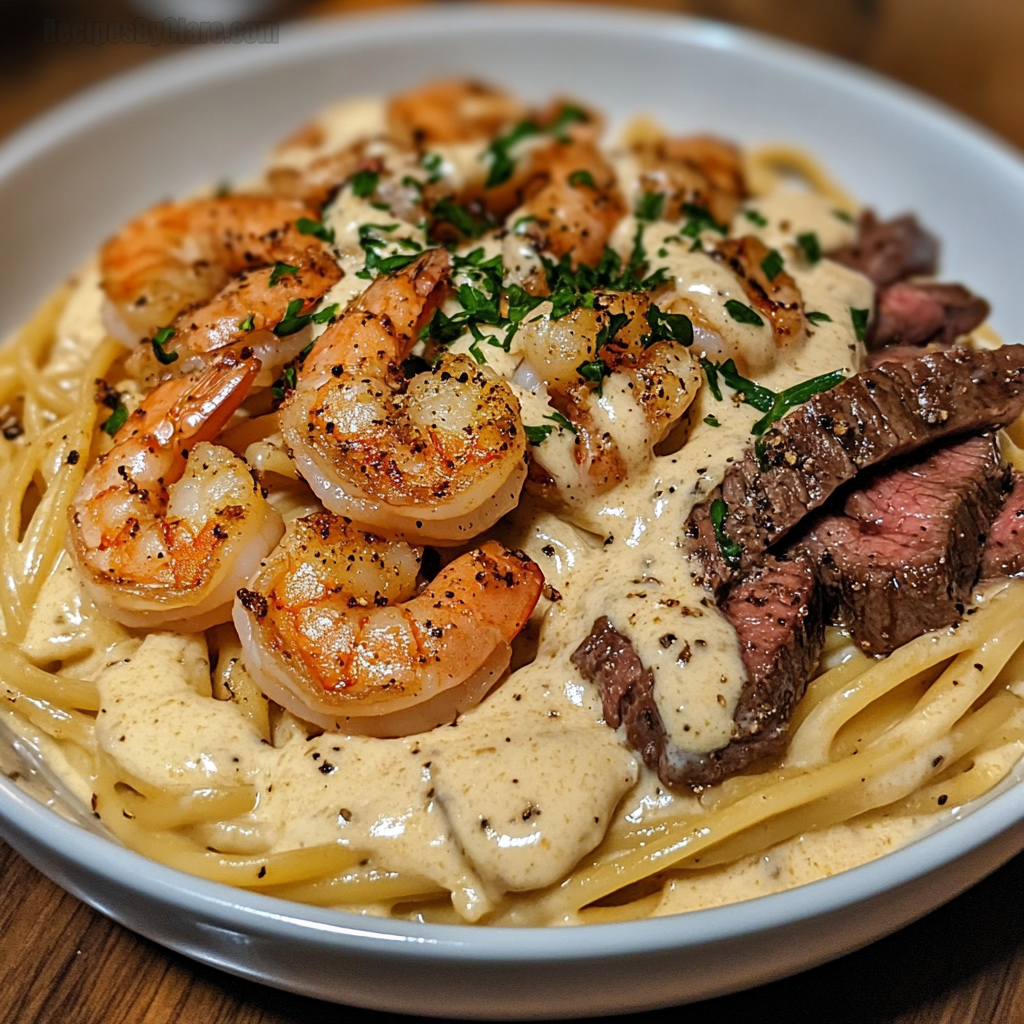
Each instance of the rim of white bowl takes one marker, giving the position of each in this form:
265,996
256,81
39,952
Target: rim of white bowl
252,912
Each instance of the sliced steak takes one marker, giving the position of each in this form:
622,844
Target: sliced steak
889,251
1004,549
778,616
903,555
916,314
874,416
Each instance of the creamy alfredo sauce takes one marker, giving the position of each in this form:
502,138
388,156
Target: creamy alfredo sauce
508,798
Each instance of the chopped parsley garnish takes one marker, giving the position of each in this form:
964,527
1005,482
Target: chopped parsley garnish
711,374
818,318
364,183
568,115
414,183
668,327
474,351
594,371
289,377
616,321
449,212
582,177
712,421
699,219
774,404
843,216
316,228
502,165
860,322
519,227
282,270
223,188
810,245
650,206
796,395
742,314
372,245
158,341
537,435
247,324
731,551
756,218
772,265
431,163
293,321
116,419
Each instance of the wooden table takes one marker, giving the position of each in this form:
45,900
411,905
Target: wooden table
61,962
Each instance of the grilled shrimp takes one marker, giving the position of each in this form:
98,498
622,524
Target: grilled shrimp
179,255
439,457
576,204
333,630
166,526
778,297
658,380
693,171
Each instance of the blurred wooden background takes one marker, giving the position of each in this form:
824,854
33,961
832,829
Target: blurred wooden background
968,54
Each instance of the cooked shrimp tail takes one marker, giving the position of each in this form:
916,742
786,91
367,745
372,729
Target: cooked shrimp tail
331,629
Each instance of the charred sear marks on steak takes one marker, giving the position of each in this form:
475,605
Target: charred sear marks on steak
889,251
873,416
1004,548
778,618
903,554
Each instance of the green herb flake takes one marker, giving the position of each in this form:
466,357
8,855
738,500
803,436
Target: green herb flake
502,166
818,318
293,321
731,550
772,265
450,212
668,327
650,206
712,421
317,229
756,218
742,314
810,246
794,396
519,227
711,375
860,322
537,435
248,324
568,115
325,315
116,420
282,270
842,215
594,370
432,163
557,417
158,341
364,183
699,219
474,351
223,189
289,377
580,178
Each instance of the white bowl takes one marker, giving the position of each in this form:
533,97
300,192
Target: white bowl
74,175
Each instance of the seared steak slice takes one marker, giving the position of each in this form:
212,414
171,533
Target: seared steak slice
915,314
780,624
1004,549
874,416
904,554
889,251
